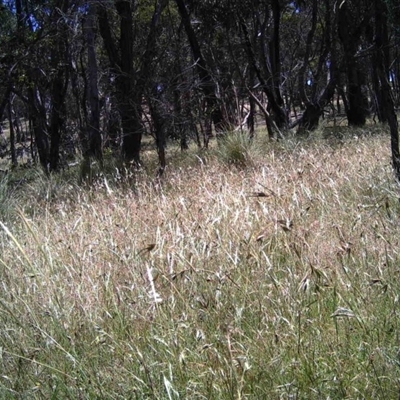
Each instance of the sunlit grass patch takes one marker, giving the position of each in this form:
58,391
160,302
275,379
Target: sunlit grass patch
275,281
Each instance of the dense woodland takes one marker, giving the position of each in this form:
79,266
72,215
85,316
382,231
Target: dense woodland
88,79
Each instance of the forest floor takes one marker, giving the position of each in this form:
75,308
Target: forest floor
263,270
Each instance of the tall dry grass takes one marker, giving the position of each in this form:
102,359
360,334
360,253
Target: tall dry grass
272,278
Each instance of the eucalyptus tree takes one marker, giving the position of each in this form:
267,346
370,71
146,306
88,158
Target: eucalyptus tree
7,42
354,19
317,76
393,7
41,40
41,71
383,72
207,86
94,145
261,37
131,60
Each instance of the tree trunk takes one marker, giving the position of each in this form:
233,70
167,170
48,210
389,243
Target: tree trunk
310,118
274,51
57,116
207,85
94,137
252,112
382,43
130,116
59,83
160,125
37,115
4,101
350,38
315,105
121,60
280,117
12,136
129,95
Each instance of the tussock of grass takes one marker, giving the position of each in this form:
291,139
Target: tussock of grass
275,281
235,149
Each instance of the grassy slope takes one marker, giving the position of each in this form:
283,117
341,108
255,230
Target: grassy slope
198,288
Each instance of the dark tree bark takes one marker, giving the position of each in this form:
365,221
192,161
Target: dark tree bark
275,52
79,95
130,87
183,120
59,86
270,61
207,85
144,77
252,112
130,115
94,137
350,37
381,44
310,118
279,114
314,106
37,116
396,73
158,116
59,82
4,101
379,58
121,60
377,100
112,123
12,136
